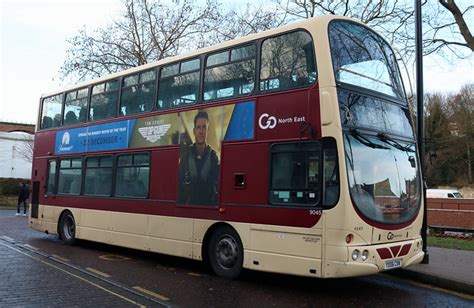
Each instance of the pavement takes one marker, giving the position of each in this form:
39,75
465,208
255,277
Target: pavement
449,269
35,280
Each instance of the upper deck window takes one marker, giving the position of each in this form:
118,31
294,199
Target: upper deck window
179,84
287,62
51,113
230,73
104,100
75,106
363,59
137,93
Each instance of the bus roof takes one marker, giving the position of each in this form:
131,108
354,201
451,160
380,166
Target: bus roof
305,24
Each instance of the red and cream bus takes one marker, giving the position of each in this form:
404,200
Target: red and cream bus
288,151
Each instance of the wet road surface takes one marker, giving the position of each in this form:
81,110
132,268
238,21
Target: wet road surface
96,274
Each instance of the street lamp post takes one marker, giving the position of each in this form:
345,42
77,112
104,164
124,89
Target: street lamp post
420,127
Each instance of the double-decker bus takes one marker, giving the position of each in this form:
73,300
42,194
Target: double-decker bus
288,151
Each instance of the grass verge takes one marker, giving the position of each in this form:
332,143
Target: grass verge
451,243
8,201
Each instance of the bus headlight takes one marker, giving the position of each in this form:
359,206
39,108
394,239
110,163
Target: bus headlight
365,255
355,255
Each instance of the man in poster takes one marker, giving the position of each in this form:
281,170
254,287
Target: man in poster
199,167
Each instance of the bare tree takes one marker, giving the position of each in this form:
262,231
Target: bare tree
25,149
448,27
146,32
238,22
393,19
374,13
446,22
151,30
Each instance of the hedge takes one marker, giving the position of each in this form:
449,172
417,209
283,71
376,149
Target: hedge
11,186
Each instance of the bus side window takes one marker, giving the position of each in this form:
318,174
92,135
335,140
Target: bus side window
287,62
98,174
295,173
132,175
331,173
230,73
104,100
179,84
51,113
51,177
69,176
74,106
137,93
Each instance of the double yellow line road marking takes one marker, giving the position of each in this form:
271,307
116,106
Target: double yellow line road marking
53,257
75,276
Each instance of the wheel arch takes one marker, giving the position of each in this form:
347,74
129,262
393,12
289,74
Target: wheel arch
64,212
207,238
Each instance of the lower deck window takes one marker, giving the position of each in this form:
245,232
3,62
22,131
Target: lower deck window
295,169
122,175
51,186
133,173
70,175
331,174
98,176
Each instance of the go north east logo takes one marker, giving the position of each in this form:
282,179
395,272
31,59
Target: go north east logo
154,133
64,146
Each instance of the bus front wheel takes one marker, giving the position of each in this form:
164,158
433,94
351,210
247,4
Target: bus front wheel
225,252
67,228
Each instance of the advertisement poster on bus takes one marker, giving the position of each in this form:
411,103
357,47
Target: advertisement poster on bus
202,133
155,131
230,122
103,137
199,134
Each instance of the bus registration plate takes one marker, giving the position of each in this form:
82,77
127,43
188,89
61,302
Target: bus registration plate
393,264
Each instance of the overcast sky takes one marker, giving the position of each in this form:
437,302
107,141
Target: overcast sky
33,37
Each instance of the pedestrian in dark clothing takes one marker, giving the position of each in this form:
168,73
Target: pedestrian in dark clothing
22,198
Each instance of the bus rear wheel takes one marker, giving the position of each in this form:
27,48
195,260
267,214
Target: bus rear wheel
226,253
67,228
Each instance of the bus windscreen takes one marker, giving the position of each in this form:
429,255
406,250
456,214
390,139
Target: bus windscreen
361,58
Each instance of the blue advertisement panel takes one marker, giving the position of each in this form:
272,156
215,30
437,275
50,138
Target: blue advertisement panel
103,137
241,123
230,122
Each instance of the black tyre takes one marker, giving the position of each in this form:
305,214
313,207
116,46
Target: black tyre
226,253
67,228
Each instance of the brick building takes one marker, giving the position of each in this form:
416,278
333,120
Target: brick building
17,127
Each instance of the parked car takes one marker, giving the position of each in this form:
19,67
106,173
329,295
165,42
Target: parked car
443,193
